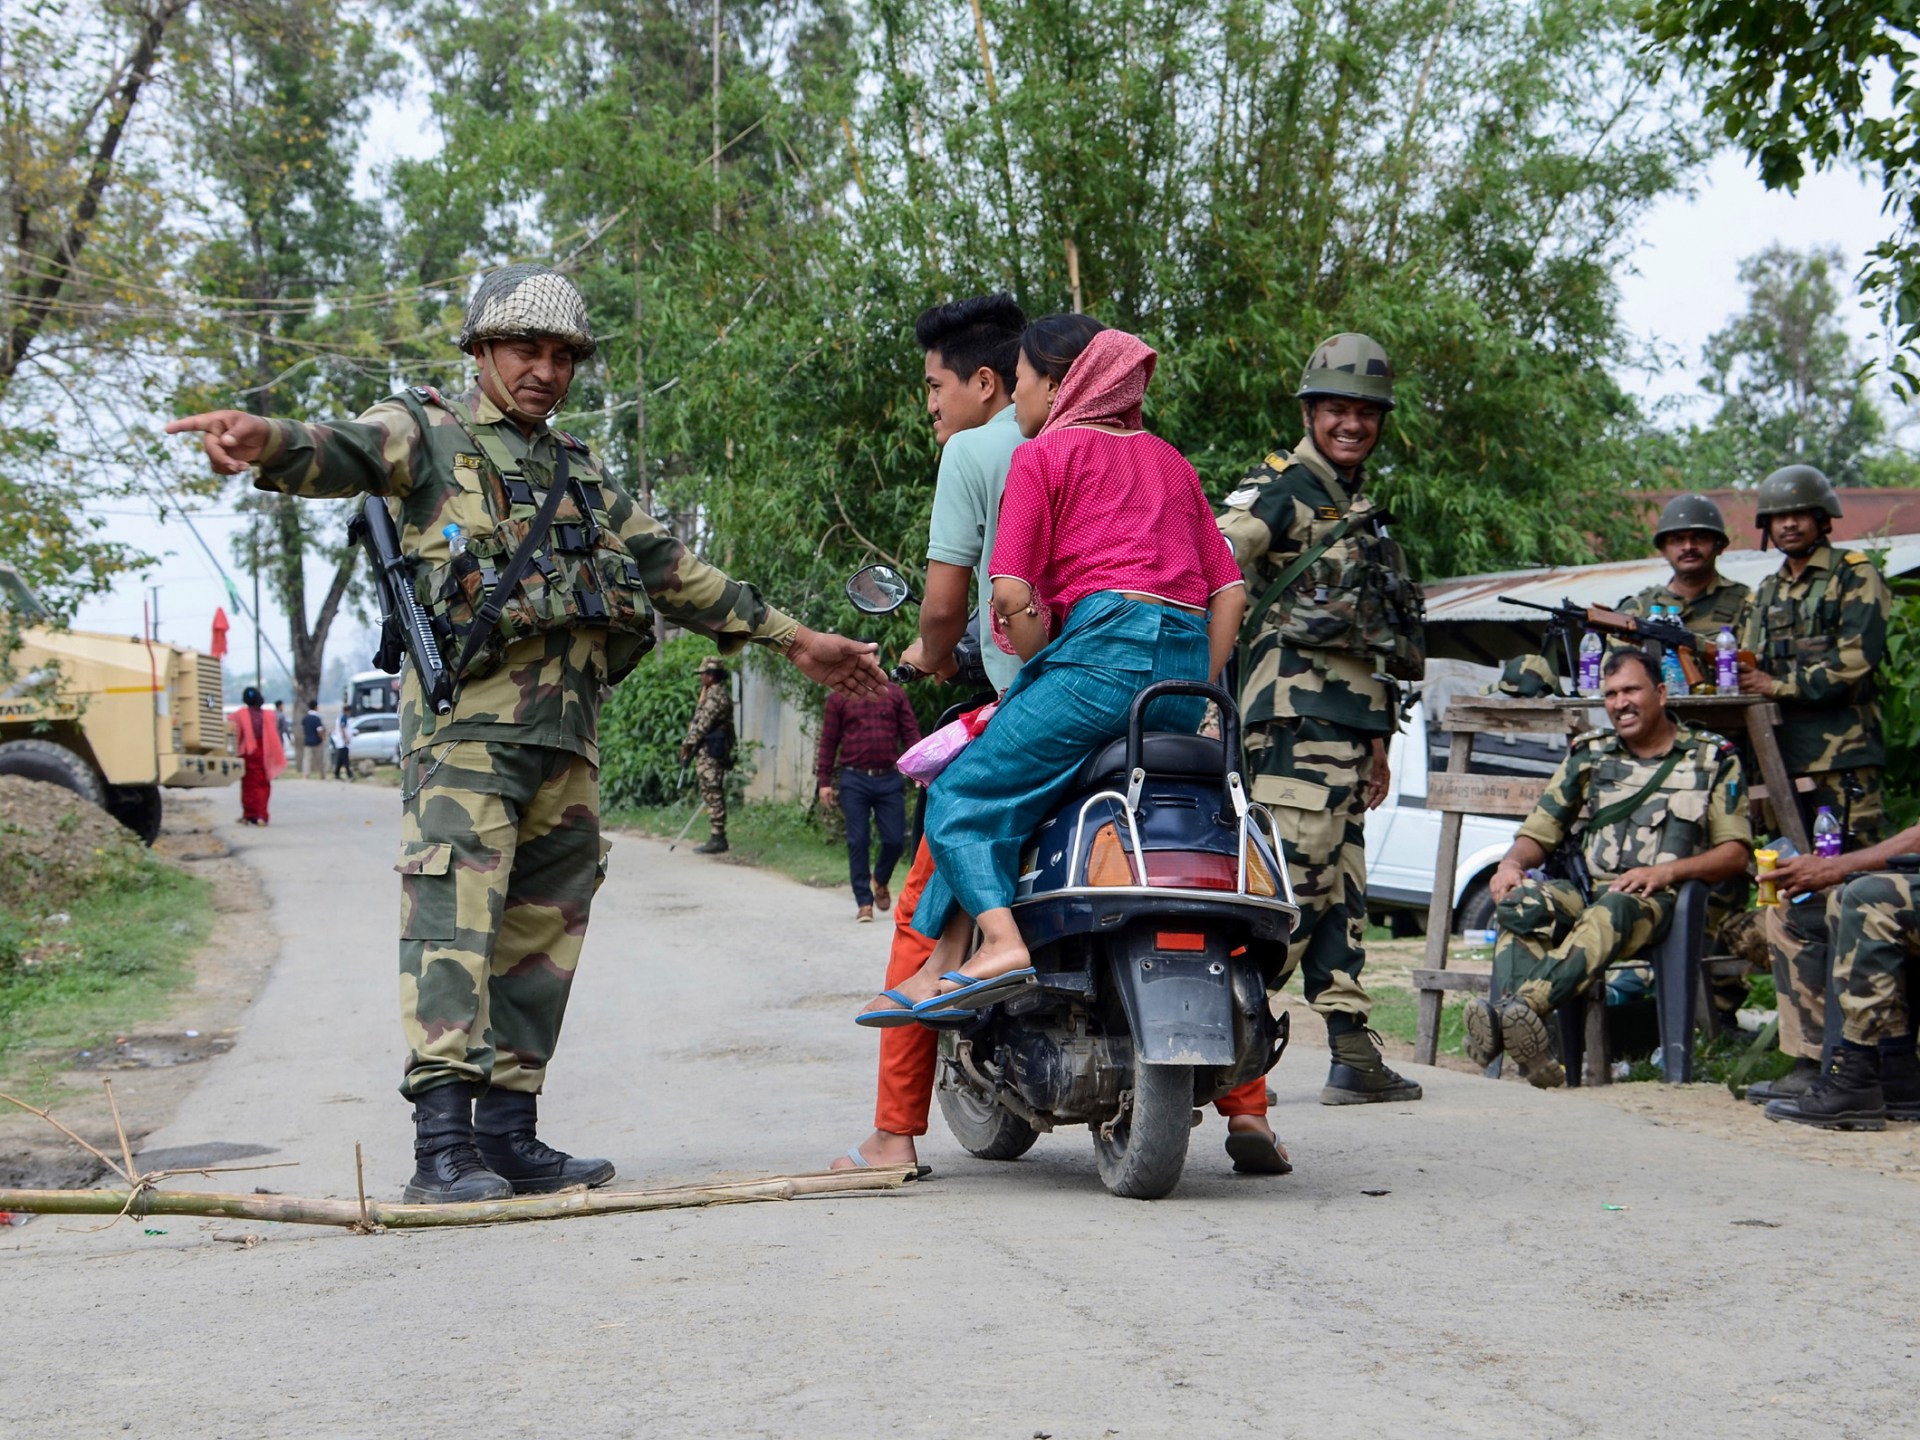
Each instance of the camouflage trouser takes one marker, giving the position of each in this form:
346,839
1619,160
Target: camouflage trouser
1875,921
1797,943
501,856
1317,791
1552,943
712,779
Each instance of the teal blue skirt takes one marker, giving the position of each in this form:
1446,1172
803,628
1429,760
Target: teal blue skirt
1066,702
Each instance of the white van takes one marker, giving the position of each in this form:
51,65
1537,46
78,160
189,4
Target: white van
1403,836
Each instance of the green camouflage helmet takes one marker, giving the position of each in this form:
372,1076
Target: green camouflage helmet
1690,512
713,665
1351,367
1531,677
518,301
1795,487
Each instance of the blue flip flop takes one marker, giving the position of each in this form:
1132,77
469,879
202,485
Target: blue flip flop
977,994
889,1019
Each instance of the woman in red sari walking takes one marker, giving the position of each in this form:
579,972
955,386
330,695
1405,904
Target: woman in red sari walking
256,740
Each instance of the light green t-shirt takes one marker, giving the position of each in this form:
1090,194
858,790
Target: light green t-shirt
966,512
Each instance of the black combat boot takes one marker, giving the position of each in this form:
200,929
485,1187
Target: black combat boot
447,1168
1847,1097
1790,1086
503,1126
1358,1076
716,844
1900,1078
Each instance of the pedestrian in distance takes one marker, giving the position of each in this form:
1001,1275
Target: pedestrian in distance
284,723
256,740
709,744
861,742
970,349
1340,624
343,748
1645,807
313,736
1816,630
501,852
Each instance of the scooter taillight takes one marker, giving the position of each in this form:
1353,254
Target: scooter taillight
1192,869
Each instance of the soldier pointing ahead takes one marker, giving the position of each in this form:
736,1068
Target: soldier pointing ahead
501,851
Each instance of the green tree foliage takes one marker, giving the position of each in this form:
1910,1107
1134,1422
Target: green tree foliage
89,224
1801,87
1900,710
1791,386
641,726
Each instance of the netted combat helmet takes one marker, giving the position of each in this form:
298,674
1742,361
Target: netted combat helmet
1795,487
1690,512
713,665
1350,367
518,301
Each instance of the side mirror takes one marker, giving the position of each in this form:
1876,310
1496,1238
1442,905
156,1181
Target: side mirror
878,589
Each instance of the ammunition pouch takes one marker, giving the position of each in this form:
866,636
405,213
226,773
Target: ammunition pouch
1358,597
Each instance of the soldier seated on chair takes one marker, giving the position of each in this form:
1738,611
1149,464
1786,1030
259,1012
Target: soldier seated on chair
1872,926
1628,817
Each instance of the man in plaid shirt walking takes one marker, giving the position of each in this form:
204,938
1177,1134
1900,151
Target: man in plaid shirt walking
861,740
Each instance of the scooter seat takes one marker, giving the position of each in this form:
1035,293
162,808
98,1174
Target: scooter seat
1162,753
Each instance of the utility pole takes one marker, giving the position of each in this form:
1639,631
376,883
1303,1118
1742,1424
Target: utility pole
259,680
715,98
640,379
153,627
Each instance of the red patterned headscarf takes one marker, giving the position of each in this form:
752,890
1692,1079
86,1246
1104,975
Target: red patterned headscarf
1105,384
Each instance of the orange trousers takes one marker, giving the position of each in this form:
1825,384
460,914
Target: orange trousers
908,1052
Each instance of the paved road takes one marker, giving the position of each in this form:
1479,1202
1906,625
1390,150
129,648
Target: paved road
1491,1290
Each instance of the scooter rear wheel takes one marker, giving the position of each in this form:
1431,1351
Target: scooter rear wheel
983,1128
1148,1150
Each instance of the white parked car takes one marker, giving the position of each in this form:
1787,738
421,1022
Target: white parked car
1403,836
375,738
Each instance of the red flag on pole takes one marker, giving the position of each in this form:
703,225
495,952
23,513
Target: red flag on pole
219,646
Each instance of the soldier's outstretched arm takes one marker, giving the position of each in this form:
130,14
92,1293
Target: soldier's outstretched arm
373,455
690,592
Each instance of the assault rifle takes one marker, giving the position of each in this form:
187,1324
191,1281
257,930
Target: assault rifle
404,627
1570,622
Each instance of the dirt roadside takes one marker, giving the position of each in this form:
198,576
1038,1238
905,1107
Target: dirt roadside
152,1065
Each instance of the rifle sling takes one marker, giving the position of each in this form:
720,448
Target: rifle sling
1620,809
490,609
1251,626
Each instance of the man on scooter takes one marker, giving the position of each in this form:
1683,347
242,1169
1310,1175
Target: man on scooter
1338,621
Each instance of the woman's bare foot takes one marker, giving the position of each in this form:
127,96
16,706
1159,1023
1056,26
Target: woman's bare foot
881,1149
1001,948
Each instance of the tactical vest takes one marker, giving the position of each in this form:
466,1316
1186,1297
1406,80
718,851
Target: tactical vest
1670,824
1805,631
1358,597
582,576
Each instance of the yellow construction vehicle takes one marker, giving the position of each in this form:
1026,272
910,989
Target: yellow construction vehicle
110,717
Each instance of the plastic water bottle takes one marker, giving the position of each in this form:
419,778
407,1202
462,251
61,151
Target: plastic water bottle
456,542
1670,670
1827,836
1479,937
1726,662
1592,648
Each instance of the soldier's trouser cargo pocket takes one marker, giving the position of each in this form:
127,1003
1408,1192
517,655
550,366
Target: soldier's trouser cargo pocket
500,858
1316,789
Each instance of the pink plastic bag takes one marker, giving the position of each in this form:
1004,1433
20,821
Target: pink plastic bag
924,762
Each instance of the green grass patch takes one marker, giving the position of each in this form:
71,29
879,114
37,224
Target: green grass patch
119,956
1396,1013
782,835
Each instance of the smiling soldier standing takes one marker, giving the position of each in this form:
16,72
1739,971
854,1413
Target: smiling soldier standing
1337,622
545,601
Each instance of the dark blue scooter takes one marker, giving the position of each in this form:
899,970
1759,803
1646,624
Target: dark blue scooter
1157,911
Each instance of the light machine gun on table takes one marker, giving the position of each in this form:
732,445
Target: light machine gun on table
1571,622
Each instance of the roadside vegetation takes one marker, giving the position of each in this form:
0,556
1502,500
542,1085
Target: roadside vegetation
798,841
95,931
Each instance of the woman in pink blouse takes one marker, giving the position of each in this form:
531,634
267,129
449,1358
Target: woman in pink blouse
1109,573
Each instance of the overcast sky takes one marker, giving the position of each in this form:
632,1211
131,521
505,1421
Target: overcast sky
1686,287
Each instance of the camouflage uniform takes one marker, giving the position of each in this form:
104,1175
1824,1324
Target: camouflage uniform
502,852
1553,942
1821,637
710,737
1312,711
1875,924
